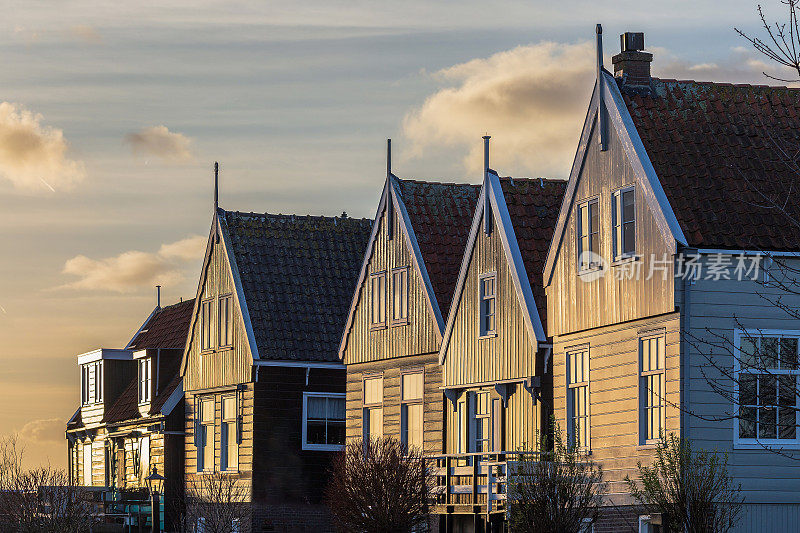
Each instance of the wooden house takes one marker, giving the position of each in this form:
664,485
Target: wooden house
670,172
264,386
131,417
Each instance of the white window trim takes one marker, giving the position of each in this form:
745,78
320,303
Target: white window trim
417,401
643,440
592,267
385,295
481,333
758,444
615,220
146,362
224,421
319,447
586,448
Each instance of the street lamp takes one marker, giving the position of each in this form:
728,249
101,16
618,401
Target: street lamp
155,482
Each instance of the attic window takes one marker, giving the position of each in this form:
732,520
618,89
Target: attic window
488,293
205,324
225,321
588,235
377,288
624,221
400,296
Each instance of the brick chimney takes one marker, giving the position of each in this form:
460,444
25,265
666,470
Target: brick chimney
632,64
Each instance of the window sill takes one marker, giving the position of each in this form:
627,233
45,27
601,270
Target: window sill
647,446
487,336
583,272
624,259
323,447
399,323
377,327
767,446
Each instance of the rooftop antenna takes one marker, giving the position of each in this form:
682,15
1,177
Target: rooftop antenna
216,201
601,107
487,207
388,157
158,296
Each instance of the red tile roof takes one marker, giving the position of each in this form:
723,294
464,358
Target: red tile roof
441,215
166,329
533,205
723,154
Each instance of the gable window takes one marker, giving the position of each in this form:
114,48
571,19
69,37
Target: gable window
377,285
204,438
623,217
225,321
400,296
411,395
373,408
652,391
229,441
145,380
578,397
205,324
98,382
488,288
765,375
323,421
588,234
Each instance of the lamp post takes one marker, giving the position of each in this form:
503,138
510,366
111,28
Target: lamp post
155,482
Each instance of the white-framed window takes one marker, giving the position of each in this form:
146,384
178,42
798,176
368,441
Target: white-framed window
488,304
229,437
87,464
372,418
652,387
623,219
588,234
766,388
323,420
412,392
145,379
144,457
400,296
647,524
84,384
482,423
206,310
98,382
205,434
225,321
377,291
578,397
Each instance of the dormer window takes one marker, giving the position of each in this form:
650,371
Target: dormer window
84,384
98,382
588,235
145,380
488,289
624,221
92,383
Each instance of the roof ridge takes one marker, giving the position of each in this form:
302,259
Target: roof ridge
426,182
726,84
292,216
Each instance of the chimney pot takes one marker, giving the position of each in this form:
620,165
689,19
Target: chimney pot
632,64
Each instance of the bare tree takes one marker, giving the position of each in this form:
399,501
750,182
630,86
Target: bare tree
216,503
782,42
41,500
691,489
379,486
554,491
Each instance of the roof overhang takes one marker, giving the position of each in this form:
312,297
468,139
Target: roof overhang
105,354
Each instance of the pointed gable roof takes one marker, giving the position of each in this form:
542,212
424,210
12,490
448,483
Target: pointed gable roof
166,328
297,275
723,154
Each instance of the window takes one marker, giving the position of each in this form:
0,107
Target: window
373,408
145,380
766,370
144,457
400,296
578,397
225,321
229,439
588,234
205,435
87,465
488,287
649,524
323,421
377,284
411,395
623,217
98,382
483,423
205,325
84,384
652,391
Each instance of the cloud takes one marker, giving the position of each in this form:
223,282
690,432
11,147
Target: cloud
85,33
160,142
134,269
532,100
45,430
33,156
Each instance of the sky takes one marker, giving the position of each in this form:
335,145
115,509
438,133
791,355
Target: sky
112,115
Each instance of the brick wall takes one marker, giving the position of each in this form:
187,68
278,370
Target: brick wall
291,518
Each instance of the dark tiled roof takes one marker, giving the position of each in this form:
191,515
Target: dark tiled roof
533,205
441,215
718,151
166,329
126,407
298,275
161,398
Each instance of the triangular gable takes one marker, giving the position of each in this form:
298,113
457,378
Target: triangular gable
639,161
220,226
392,194
493,191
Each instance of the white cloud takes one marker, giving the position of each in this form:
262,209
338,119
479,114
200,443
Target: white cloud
160,142
44,430
134,269
33,156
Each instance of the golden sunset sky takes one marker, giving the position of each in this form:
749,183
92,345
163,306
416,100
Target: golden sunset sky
111,116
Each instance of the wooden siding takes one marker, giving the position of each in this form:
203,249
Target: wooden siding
574,304
508,355
116,376
714,311
420,335
433,398
614,393
217,367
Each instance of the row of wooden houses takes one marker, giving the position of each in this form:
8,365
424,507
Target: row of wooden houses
464,318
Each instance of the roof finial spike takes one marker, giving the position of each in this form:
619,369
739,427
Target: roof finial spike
601,115
388,157
486,154
216,186
158,296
